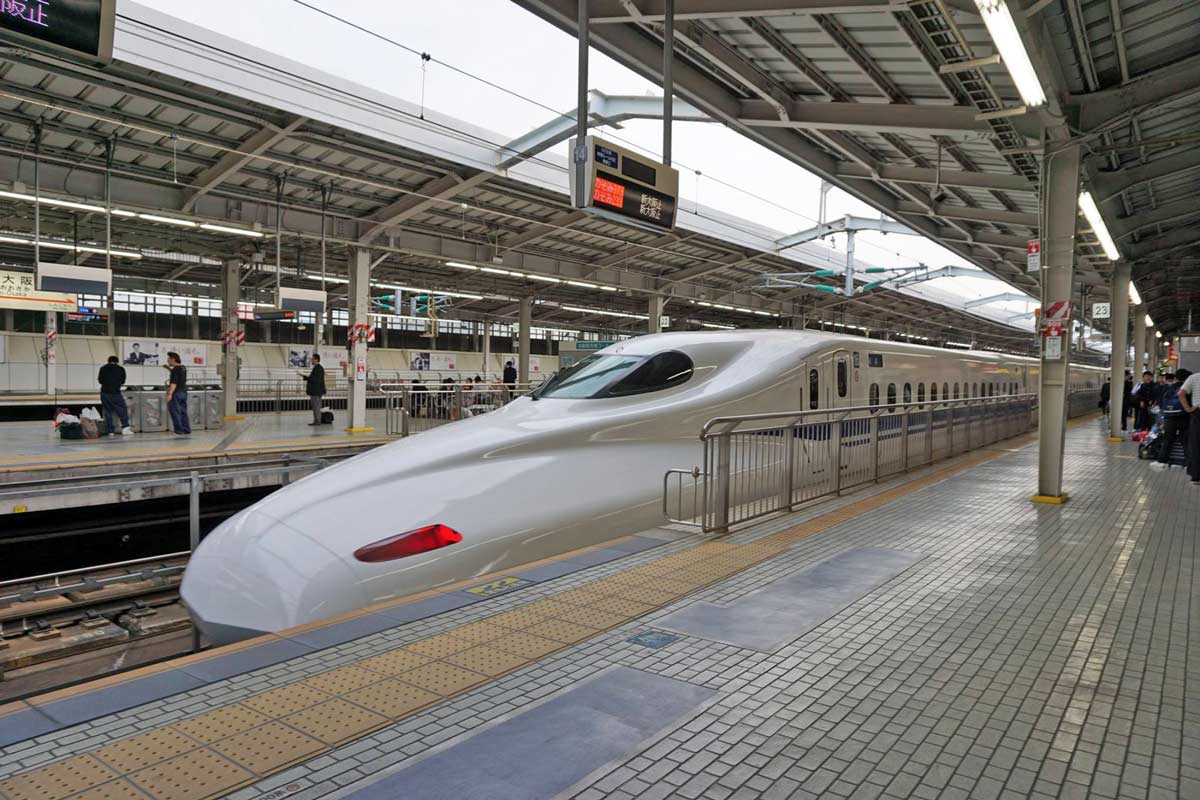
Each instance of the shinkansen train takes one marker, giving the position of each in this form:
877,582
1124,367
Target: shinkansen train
578,462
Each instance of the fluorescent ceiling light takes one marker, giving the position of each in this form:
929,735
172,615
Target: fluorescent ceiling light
493,270
208,226
1134,297
584,284
73,248
608,288
597,311
543,278
1088,206
120,212
53,201
460,265
1158,334
1003,30
717,327
1149,322
183,223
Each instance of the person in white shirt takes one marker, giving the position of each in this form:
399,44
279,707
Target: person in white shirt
1189,396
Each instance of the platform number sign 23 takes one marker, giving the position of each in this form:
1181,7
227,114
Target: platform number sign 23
1101,310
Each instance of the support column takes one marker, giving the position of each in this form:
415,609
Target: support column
487,348
195,319
10,320
1059,202
1120,343
654,313
231,292
524,322
266,331
360,306
1139,342
51,353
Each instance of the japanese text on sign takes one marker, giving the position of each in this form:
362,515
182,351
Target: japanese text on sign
1033,255
609,193
31,11
17,291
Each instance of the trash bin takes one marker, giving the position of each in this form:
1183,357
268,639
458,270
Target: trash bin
195,409
131,405
214,407
152,410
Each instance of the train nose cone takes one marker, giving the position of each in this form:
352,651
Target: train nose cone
256,574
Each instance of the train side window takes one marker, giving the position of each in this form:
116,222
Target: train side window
908,393
814,387
933,391
920,392
891,397
945,391
974,390
874,395
956,390
843,380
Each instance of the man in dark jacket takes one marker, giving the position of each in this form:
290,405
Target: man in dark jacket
1105,395
1175,419
1145,394
112,378
1126,401
314,387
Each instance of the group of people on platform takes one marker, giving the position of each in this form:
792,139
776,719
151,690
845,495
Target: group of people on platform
1164,412
112,377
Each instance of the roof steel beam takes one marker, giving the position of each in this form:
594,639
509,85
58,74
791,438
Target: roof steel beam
613,11
948,211
953,178
439,190
1155,88
1109,185
540,230
998,298
1175,240
232,161
1170,212
866,117
842,225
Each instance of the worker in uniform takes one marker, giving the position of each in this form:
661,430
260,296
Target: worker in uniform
1189,393
111,379
1145,395
177,394
314,387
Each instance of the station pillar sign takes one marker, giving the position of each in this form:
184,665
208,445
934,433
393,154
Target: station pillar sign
1054,318
1033,255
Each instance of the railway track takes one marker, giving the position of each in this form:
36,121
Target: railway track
61,628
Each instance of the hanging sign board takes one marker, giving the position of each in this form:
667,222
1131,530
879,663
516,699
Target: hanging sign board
82,29
1101,310
622,184
1033,255
17,291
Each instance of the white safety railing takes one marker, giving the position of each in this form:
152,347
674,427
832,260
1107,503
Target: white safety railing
413,408
763,463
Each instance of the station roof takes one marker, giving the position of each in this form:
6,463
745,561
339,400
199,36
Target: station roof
904,104
207,131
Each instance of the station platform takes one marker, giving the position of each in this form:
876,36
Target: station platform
937,637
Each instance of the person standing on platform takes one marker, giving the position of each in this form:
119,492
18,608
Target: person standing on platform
1105,395
112,378
510,381
1175,414
1145,394
177,395
1126,401
1189,393
314,387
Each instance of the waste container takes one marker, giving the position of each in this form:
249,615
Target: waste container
130,395
214,407
195,408
152,410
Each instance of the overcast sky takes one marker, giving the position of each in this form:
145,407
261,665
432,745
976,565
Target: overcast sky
532,66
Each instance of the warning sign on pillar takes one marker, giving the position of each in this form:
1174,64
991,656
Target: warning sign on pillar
360,370
1054,316
1033,255
1053,350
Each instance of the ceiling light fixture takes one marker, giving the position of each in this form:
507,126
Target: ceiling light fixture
1088,206
1003,30
208,226
1134,297
183,223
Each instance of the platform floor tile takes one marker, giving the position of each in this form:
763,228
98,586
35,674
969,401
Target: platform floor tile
269,748
191,776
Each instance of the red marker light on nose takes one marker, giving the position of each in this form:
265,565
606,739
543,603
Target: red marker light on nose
422,540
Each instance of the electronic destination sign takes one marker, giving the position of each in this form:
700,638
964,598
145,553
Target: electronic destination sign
618,182
79,28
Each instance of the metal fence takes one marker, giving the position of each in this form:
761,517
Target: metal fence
763,463
413,408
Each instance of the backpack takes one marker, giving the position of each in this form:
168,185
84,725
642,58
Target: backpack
70,430
1169,403
327,417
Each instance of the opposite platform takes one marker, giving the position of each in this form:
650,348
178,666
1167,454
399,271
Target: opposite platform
944,638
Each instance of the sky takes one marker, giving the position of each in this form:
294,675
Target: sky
521,70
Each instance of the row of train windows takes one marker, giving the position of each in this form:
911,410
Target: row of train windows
984,389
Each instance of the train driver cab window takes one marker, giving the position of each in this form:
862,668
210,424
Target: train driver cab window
908,393
891,397
874,395
814,387
843,378
920,392
602,375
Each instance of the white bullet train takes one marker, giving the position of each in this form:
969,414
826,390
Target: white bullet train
579,463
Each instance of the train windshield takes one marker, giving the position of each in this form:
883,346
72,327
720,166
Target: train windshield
618,376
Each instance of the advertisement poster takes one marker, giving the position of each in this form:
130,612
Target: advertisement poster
424,360
299,358
153,352
419,362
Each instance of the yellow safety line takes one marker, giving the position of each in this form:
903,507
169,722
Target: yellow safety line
249,740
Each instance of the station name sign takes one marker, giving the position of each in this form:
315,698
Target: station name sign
623,184
18,290
82,29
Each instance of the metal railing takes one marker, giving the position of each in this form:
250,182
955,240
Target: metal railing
763,463
412,410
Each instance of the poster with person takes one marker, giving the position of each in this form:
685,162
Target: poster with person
419,361
299,358
153,352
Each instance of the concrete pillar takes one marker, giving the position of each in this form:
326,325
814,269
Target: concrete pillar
360,306
1139,341
51,342
10,320
654,311
231,291
524,323
1059,201
195,319
381,336
487,349
1120,341
266,330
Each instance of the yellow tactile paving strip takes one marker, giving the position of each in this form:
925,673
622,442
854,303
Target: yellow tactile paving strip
220,751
